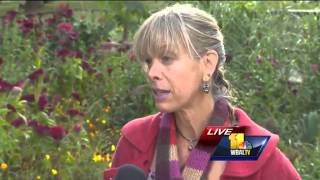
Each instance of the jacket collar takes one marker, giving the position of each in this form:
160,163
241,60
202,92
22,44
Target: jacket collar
142,135
141,132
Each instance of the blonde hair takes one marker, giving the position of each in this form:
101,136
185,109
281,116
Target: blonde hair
183,26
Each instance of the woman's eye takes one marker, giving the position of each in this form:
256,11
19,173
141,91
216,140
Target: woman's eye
148,61
166,59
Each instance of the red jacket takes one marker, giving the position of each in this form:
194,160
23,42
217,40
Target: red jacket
137,145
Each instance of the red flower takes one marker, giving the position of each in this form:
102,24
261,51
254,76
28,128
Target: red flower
64,11
57,132
15,88
73,35
43,102
77,127
62,42
76,54
75,112
51,21
86,66
36,74
9,17
26,25
17,122
90,50
49,36
28,97
76,96
67,27
5,85
63,53
46,78
41,129
33,123
259,60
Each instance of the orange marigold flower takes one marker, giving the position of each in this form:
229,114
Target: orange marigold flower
4,166
107,109
92,134
91,125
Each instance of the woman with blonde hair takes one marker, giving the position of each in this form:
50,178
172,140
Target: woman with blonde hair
182,53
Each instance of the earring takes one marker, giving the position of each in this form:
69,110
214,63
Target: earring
205,87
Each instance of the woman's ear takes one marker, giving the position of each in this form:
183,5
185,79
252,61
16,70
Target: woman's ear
210,61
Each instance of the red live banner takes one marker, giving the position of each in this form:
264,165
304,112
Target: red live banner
212,135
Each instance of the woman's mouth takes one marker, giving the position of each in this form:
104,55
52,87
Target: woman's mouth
160,94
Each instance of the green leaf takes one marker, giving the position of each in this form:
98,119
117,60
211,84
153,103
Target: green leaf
39,55
3,111
45,119
3,123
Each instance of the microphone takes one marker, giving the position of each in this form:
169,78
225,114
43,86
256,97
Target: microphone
131,172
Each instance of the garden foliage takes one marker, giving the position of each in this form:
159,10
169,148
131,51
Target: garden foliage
68,82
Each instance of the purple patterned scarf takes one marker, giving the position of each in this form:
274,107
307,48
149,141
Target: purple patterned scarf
167,163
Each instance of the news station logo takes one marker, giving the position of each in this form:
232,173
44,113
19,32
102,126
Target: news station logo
238,146
232,143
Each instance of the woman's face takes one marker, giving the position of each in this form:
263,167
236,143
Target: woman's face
175,80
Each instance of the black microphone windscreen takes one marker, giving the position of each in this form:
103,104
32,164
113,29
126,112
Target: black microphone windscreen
130,172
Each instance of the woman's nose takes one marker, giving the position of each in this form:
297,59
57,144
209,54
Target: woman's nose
154,72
